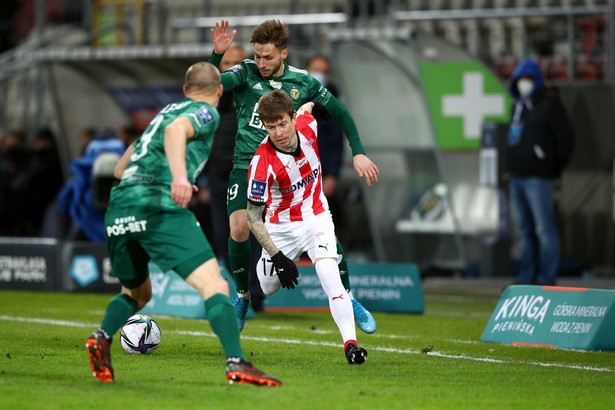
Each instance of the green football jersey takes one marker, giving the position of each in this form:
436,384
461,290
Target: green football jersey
146,182
248,86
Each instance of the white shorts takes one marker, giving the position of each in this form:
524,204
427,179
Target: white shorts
315,236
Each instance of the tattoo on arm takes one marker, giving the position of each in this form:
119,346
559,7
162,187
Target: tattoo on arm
257,226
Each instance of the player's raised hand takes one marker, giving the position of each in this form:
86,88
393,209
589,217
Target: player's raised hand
221,38
366,168
181,191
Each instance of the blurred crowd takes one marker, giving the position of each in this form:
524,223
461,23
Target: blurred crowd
30,179
33,180
39,198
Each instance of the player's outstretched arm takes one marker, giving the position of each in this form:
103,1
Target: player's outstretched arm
366,168
176,135
221,38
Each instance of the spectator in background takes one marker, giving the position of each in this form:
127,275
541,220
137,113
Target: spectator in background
540,143
41,181
129,134
14,159
81,199
86,137
330,141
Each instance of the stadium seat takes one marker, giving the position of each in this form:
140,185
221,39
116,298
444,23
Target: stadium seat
505,66
584,68
451,31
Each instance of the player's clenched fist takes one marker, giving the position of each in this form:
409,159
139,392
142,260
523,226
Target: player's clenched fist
286,269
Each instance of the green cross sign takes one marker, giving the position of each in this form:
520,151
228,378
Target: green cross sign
461,97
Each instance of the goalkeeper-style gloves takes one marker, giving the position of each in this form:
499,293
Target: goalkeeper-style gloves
286,269
320,112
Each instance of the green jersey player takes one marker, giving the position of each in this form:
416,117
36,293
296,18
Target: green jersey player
147,219
250,80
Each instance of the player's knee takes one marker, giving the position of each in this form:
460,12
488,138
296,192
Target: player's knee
240,232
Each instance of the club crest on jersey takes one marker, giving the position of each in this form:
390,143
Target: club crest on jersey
257,189
275,84
295,94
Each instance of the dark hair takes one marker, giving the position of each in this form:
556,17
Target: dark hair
271,31
273,106
203,78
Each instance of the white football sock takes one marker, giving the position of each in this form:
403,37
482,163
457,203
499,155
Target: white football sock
339,301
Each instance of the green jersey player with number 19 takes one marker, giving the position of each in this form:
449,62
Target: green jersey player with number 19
250,80
147,219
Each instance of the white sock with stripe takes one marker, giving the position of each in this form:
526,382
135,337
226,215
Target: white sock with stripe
339,301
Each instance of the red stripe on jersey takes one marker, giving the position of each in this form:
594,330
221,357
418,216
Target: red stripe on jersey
281,172
307,125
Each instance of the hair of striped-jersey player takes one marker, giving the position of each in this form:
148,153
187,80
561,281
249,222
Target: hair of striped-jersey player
272,106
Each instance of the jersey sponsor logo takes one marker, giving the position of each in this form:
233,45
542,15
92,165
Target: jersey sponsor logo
275,84
130,174
258,86
301,184
128,224
255,119
257,189
295,94
205,115
235,68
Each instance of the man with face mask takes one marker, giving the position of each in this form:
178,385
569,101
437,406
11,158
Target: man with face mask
540,143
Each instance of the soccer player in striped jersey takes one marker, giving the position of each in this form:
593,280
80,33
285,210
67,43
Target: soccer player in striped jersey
249,80
284,181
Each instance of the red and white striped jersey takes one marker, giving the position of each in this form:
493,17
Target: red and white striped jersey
290,185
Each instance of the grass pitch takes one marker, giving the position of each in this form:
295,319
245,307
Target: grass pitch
44,365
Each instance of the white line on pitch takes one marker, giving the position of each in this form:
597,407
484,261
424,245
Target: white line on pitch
315,343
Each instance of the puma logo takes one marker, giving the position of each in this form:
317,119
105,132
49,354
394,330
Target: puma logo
324,246
341,296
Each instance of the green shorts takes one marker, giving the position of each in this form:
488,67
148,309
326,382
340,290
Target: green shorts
237,194
171,239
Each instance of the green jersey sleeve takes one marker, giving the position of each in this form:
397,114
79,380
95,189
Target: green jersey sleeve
215,58
343,117
231,78
320,93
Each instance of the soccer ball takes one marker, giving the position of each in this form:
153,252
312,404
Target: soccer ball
140,334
